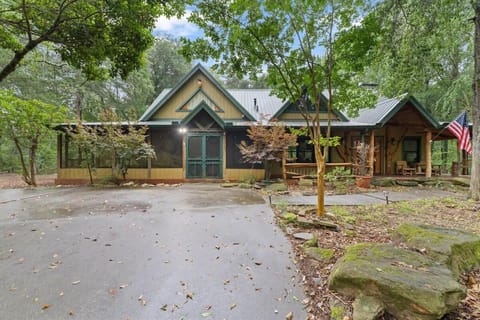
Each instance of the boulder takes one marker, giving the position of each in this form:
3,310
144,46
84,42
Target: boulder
409,284
277,187
316,224
383,182
303,236
458,249
367,308
407,183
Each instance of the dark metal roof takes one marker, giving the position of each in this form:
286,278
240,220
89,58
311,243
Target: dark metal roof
383,107
260,104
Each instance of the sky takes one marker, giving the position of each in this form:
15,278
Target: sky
177,28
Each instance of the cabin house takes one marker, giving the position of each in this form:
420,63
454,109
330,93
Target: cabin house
196,127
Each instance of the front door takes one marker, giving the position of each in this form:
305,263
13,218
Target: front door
204,155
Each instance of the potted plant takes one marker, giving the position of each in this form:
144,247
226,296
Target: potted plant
363,176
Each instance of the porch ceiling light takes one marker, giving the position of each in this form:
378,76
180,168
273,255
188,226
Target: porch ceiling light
182,130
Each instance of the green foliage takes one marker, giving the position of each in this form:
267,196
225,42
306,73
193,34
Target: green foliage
337,312
249,179
100,38
125,145
336,174
27,123
343,214
282,205
425,48
289,217
312,243
166,65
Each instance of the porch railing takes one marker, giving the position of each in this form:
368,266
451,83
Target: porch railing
303,170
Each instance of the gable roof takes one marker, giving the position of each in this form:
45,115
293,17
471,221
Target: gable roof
168,93
269,106
386,108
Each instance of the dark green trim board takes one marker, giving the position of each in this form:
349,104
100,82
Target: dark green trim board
203,106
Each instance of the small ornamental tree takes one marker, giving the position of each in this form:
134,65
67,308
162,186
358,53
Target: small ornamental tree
27,123
87,140
268,143
124,144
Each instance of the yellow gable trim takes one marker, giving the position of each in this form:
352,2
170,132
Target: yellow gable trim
170,109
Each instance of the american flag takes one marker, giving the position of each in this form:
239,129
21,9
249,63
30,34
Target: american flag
459,128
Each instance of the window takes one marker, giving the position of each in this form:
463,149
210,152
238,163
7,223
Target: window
168,148
411,150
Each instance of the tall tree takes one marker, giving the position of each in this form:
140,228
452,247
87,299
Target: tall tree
301,43
426,49
26,123
166,65
98,37
475,178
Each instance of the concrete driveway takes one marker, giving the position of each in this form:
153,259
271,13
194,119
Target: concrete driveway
192,252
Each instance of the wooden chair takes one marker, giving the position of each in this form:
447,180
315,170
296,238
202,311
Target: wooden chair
403,169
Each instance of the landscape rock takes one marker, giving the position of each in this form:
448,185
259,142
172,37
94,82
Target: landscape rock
367,308
407,183
316,224
384,182
277,187
303,236
228,185
305,182
460,250
409,284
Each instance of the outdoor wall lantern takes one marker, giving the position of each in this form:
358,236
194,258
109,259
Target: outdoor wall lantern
393,141
182,130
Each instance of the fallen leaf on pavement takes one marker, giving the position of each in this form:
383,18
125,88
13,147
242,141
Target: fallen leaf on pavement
45,306
233,306
76,282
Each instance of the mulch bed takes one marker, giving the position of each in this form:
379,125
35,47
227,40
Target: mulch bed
373,224
13,180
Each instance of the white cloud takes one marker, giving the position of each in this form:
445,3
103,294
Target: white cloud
176,27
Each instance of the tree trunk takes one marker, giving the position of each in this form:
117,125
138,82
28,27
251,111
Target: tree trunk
428,154
33,156
25,173
475,177
320,181
89,167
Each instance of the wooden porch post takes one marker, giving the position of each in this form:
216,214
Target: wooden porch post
428,154
284,169
149,160
371,152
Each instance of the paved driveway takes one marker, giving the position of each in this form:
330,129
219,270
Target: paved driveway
192,252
